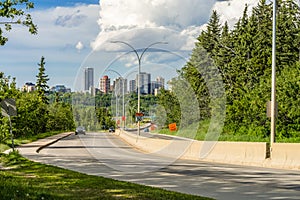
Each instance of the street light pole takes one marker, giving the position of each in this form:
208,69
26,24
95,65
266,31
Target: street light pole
123,92
273,93
139,57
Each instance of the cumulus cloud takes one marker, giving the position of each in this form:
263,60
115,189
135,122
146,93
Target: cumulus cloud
79,46
143,22
161,20
59,27
232,10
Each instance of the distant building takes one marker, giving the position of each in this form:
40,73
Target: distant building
144,82
146,85
160,82
104,84
157,85
88,78
60,88
170,85
28,87
92,91
132,86
119,84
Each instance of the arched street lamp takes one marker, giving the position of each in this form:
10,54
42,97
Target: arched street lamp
123,78
139,57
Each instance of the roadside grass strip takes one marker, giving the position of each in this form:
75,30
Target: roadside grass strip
23,179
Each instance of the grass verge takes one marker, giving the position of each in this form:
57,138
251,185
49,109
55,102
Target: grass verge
7,144
24,179
203,127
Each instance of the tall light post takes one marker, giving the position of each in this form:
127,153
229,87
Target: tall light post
123,92
139,57
273,93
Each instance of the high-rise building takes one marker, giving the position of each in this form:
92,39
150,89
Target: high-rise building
160,82
157,85
88,78
120,84
104,84
132,86
144,82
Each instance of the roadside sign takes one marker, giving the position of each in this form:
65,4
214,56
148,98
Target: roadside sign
139,114
8,107
173,127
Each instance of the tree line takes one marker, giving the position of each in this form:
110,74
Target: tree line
35,113
243,57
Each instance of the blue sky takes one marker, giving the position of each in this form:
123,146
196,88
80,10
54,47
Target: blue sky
53,3
76,34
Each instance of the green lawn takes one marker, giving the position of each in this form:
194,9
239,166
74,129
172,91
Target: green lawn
24,179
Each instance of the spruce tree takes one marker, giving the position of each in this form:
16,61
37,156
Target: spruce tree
209,39
41,84
288,33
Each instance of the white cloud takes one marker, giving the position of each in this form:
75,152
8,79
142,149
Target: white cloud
71,20
152,20
59,31
79,46
232,10
142,22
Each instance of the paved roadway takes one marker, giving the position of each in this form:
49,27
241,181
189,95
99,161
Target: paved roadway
105,155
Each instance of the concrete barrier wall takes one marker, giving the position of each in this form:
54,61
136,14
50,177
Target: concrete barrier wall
148,145
249,153
224,152
285,155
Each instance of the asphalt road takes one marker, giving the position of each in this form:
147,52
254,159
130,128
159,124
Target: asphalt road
105,155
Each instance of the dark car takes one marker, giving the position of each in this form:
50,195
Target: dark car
111,129
80,130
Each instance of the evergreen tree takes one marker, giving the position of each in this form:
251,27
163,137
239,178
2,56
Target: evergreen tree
288,33
244,57
41,84
209,39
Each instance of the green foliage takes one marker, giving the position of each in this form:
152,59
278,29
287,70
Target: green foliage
84,111
288,88
15,12
243,57
105,118
34,114
7,90
169,109
41,82
60,117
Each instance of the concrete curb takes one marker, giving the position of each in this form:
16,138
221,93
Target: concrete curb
54,140
43,143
